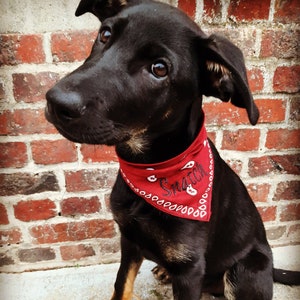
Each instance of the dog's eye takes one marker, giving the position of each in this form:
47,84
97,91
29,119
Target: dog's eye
104,36
159,69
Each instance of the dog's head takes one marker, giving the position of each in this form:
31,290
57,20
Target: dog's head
148,67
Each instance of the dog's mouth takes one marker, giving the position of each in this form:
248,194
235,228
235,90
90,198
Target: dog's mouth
106,132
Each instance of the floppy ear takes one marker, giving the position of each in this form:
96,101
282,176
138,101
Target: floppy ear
101,8
225,75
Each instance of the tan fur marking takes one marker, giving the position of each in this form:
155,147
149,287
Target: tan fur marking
217,68
138,141
176,252
228,288
128,288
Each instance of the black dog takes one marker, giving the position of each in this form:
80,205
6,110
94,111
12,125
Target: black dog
141,90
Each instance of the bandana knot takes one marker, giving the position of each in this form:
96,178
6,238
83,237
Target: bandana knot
180,186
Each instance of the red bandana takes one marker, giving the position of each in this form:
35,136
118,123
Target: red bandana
180,186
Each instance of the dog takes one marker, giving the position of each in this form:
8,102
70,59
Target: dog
175,200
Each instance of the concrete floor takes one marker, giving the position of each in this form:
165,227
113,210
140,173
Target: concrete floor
95,283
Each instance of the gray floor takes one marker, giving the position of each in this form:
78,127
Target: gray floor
95,283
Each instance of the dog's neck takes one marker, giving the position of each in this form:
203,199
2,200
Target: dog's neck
168,145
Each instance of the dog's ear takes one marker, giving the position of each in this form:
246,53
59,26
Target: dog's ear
101,8
225,75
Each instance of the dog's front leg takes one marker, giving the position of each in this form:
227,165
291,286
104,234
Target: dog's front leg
188,285
131,260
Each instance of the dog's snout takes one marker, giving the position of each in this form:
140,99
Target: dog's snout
64,105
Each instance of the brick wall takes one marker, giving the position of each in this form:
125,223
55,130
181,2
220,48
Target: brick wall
54,194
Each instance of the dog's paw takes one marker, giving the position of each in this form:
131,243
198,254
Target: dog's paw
161,274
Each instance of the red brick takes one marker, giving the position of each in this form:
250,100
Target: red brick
53,152
259,192
74,206
283,139
17,49
32,87
76,252
36,254
219,113
287,190
3,215
13,155
27,183
25,121
33,210
271,110
287,11
212,136
235,164
241,140
290,212
287,79
73,231
84,180
274,164
188,6
249,10
295,109
72,46
212,10
10,236
280,43
98,153
255,79
267,213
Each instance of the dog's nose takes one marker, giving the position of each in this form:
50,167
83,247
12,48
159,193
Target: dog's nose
64,105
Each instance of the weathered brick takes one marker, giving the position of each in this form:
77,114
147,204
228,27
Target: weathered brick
295,109
271,110
72,46
27,183
33,210
76,252
283,139
287,190
275,233
294,233
17,49
249,10
6,260
241,140
73,231
75,205
255,79
10,236
259,192
25,121
280,43
3,215
13,155
84,180
287,79
32,87
217,113
287,11
267,213
36,254
290,212
53,152
212,10
98,153
235,164
2,91
188,6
